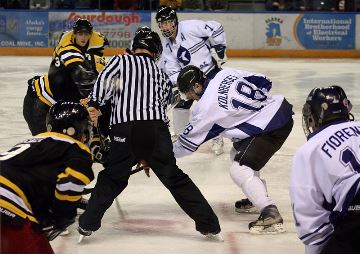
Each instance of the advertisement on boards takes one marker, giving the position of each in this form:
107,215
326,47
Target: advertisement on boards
118,27
325,31
23,29
274,31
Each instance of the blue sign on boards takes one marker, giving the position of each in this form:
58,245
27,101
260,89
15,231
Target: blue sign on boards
23,29
325,31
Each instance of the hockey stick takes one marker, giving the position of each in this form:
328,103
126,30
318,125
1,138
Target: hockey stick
134,171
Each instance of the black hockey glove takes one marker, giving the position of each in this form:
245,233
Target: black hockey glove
84,77
53,226
175,97
100,150
183,104
218,54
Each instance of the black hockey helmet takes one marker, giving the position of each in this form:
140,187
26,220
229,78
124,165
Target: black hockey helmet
143,29
82,25
325,105
70,118
188,76
166,13
149,40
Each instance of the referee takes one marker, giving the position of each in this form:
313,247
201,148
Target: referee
139,92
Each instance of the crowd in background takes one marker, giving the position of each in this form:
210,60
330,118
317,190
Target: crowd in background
207,5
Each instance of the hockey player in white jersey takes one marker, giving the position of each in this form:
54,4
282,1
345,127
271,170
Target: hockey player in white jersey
325,179
236,105
190,42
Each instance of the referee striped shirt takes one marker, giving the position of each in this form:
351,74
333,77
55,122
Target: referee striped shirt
136,87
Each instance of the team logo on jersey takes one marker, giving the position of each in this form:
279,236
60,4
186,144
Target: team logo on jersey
273,31
183,56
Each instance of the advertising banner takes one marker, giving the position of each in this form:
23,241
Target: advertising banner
274,31
23,29
118,27
325,31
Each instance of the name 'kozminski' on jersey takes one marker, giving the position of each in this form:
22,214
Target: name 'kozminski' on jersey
132,100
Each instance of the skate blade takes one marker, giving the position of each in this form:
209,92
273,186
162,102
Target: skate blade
251,210
264,230
81,237
214,238
65,232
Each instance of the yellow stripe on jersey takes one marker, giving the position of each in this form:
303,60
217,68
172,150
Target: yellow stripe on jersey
67,197
47,85
16,189
68,48
64,137
10,207
95,139
38,92
73,60
71,172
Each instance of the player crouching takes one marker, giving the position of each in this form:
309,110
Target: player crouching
42,180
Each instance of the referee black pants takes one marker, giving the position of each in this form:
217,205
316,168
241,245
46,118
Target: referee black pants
150,141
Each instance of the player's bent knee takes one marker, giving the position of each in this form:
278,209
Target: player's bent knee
240,174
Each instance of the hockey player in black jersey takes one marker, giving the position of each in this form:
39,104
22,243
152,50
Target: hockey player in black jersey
69,67
44,91
42,179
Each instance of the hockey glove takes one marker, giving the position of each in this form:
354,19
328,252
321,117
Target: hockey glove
52,226
100,151
175,97
183,104
219,55
84,77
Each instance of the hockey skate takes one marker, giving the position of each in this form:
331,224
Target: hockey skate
217,145
245,206
269,222
83,233
216,236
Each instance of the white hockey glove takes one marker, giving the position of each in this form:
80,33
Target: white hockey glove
218,54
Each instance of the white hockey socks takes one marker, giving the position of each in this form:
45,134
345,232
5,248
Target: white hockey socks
180,119
252,186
